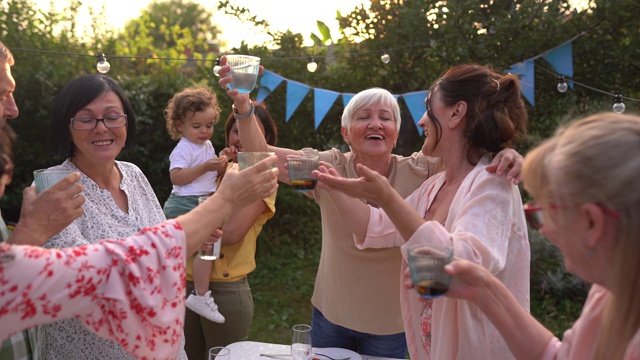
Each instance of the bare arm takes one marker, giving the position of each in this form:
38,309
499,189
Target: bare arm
374,188
45,215
237,190
525,336
250,134
186,176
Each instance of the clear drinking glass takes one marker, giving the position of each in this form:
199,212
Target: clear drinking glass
300,168
219,353
211,250
301,342
426,263
244,72
44,178
249,158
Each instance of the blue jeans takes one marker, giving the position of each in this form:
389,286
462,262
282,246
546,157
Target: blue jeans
324,333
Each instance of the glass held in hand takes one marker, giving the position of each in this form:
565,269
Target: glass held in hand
300,169
244,72
426,264
44,178
301,342
249,158
211,249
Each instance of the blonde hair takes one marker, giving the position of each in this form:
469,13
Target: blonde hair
597,160
186,103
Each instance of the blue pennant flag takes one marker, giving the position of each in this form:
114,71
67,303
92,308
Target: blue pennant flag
323,100
527,79
295,93
262,94
561,58
268,82
346,97
416,105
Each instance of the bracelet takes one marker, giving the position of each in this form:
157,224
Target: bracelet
243,116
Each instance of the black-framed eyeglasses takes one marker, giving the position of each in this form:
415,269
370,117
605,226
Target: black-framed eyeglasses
114,121
535,217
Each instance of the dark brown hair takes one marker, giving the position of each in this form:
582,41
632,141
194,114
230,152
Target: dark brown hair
496,115
263,115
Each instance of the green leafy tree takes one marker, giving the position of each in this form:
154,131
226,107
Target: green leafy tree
173,29
48,52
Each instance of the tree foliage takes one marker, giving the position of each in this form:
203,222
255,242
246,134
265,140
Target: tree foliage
423,38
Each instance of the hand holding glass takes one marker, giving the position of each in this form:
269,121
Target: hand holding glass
301,342
211,250
426,264
244,72
300,168
44,178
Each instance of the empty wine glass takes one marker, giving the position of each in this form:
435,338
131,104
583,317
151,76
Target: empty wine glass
301,342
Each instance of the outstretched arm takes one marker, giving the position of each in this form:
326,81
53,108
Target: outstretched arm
237,190
251,137
525,336
375,189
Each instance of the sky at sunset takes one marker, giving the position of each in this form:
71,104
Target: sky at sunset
296,15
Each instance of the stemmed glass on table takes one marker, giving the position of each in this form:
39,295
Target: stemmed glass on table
301,342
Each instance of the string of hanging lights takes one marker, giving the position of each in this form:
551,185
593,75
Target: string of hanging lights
103,67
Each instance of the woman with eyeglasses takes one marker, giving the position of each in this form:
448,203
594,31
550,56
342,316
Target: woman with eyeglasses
472,114
585,182
91,122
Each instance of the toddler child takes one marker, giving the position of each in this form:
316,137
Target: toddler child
194,169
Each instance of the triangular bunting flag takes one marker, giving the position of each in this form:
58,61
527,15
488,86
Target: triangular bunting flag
561,58
416,105
527,79
323,100
346,97
295,93
263,92
268,82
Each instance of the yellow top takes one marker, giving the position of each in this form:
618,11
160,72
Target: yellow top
238,260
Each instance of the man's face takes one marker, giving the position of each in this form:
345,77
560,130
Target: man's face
8,107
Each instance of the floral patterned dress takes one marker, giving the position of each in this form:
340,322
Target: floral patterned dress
130,291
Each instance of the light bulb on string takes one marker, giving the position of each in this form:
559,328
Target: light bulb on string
618,105
312,66
562,84
216,68
103,65
385,57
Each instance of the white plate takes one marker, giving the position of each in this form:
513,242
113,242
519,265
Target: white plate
337,353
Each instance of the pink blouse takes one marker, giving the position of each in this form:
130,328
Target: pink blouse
485,224
130,290
580,341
